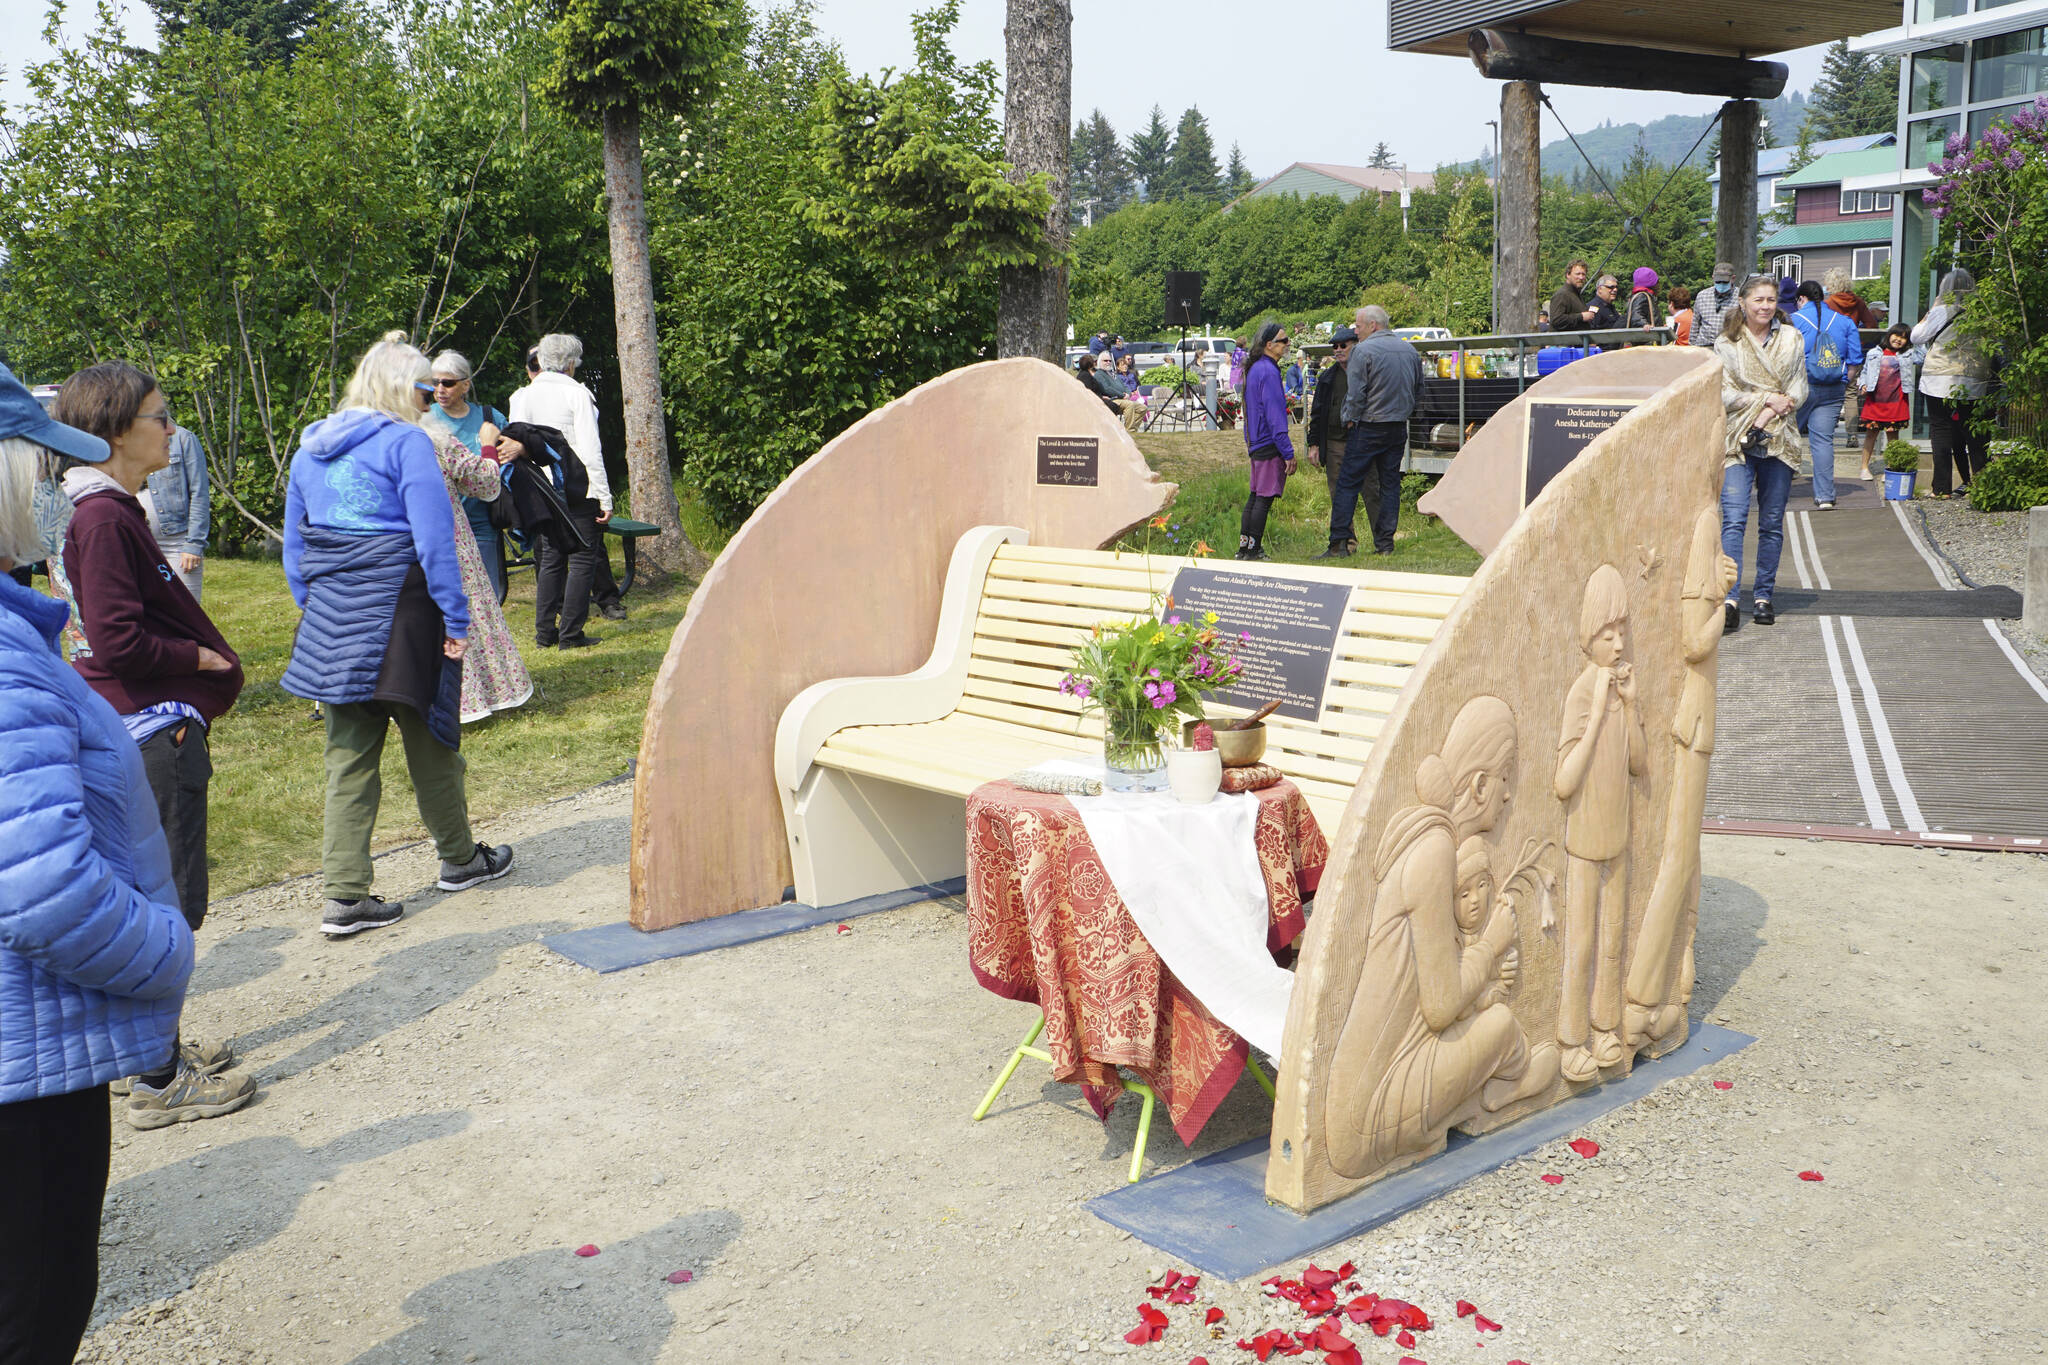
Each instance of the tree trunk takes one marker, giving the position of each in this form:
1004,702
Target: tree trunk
647,473
1521,202
1038,43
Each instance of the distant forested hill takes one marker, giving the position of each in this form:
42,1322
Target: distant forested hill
1666,140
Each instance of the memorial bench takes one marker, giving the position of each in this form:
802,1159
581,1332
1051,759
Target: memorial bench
873,772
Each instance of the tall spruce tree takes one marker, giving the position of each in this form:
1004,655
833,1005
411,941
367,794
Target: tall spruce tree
272,28
1382,157
1856,94
1150,153
1191,173
1101,171
1237,177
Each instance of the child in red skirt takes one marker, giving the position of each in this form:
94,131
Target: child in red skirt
1887,385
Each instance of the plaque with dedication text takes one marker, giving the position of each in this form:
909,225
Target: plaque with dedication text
1292,625
1559,428
1069,461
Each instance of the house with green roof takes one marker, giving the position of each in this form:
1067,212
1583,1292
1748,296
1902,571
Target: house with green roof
1833,225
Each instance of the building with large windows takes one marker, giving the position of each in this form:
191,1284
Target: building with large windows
1966,65
1831,225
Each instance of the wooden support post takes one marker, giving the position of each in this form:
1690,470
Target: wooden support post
1735,229
1521,194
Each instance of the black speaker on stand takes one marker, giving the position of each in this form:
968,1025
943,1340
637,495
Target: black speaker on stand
1183,310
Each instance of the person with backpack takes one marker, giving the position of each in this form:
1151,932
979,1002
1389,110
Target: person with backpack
1834,359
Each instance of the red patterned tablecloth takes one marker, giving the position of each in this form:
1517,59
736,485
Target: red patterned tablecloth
1045,925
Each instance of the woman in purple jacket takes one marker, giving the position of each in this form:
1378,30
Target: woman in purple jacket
1265,437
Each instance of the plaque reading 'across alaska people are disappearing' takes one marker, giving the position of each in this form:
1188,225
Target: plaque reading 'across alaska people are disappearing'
1293,625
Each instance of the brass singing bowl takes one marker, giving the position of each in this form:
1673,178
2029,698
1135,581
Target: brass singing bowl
1238,748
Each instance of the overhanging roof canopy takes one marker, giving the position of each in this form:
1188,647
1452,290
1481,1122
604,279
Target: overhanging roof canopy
1725,27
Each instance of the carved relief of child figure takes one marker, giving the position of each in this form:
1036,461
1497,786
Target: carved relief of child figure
1601,748
1474,909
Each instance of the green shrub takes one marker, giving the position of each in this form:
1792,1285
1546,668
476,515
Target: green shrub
1902,457
2016,479
1166,376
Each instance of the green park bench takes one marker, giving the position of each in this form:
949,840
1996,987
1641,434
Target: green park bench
626,529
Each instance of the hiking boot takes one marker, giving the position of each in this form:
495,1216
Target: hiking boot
208,1055
191,1094
487,864
343,918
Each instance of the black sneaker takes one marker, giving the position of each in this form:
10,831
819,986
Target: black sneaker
578,641
1765,614
614,612
545,641
1731,618
343,918
1336,552
487,864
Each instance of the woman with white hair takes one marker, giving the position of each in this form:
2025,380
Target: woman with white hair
494,677
94,954
1955,376
476,425
369,553
567,579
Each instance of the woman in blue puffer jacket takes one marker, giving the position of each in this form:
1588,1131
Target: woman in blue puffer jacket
369,554
94,952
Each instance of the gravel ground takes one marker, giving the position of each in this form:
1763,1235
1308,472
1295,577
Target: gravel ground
1990,548
449,1109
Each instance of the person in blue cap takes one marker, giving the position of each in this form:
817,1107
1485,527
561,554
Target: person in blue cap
94,952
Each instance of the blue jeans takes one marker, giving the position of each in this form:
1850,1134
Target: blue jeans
1372,455
1818,417
1771,480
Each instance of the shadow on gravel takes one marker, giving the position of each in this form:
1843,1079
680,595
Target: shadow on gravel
166,1226
409,984
553,1307
244,956
1731,927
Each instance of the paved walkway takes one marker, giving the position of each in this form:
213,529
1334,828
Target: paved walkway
1885,704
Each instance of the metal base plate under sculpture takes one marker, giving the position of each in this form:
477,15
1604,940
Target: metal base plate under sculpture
1214,1214
615,947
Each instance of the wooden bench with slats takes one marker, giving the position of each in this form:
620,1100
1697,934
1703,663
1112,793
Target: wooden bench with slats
873,772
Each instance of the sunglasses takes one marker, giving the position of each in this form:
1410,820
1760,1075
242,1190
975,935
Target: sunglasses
446,383
423,387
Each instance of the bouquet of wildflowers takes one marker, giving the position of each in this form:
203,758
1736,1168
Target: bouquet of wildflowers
1144,673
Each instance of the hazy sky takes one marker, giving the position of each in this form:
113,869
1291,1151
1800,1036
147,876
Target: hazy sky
1291,82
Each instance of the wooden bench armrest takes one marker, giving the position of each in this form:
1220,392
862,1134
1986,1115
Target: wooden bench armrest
933,691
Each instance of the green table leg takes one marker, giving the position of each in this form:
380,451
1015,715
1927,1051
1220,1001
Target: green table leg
1024,1049
1265,1082
1144,1129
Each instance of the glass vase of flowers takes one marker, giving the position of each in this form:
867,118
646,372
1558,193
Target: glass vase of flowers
1144,676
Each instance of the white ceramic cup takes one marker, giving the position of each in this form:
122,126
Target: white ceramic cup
1195,775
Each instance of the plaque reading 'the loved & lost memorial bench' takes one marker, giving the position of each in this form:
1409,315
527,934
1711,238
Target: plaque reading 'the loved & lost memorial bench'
1292,624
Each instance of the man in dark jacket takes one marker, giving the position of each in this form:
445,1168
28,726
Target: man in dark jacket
1569,311
1606,313
1382,380
1325,435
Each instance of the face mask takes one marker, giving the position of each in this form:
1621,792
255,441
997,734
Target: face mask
1723,289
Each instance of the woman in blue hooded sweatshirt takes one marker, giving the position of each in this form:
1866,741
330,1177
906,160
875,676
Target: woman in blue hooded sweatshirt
369,552
94,953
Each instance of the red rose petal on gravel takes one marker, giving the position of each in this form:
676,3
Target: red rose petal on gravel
1344,1271
1215,1316
680,1276
1347,1354
1465,1310
1551,1179
1811,1175
1316,1278
1724,1085
1152,1317
1199,1360
1404,1339
1484,1323
1585,1147
587,1249
844,929
1140,1335
1411,1360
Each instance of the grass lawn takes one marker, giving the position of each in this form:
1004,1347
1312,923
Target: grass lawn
581,726
1212,472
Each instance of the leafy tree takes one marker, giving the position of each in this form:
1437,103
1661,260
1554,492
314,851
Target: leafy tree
1382,157
1191,174
616,61
1237,177
271,28
1857,93
1151,153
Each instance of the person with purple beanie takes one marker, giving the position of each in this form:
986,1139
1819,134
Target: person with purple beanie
1642,301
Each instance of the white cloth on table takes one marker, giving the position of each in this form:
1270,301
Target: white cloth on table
1191,879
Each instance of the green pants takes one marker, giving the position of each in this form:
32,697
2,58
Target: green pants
355,784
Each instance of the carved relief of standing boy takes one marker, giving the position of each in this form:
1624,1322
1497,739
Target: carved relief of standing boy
1601,748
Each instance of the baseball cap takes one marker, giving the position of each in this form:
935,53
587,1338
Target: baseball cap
1342,335
21,415
1724,273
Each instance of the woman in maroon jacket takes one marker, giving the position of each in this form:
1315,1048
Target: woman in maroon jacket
162,664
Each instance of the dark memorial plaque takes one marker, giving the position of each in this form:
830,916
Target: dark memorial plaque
1293,624
1068,461
1559,429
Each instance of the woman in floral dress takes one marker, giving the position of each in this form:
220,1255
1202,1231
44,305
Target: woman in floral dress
494,677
